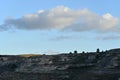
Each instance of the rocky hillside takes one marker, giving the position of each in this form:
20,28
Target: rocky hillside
71,66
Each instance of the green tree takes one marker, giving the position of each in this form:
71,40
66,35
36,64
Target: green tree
98,50
83,52
75,52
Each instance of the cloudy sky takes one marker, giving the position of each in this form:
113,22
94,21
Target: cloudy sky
56,26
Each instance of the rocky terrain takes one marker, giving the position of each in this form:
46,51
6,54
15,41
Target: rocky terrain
97,65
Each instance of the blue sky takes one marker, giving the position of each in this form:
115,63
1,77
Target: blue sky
52,26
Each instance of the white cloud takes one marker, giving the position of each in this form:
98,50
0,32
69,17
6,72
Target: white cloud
109,22
64,18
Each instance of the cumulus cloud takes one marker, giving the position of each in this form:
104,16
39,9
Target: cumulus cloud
64,18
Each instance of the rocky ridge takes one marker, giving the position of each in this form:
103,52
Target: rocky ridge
103,65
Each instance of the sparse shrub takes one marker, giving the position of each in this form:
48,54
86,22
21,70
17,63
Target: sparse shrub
98,50
75,52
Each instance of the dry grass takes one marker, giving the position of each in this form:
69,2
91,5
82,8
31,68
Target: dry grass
29,55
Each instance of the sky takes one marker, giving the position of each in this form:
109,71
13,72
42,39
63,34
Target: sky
58,26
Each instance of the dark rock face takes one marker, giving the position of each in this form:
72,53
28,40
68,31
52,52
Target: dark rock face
79,66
